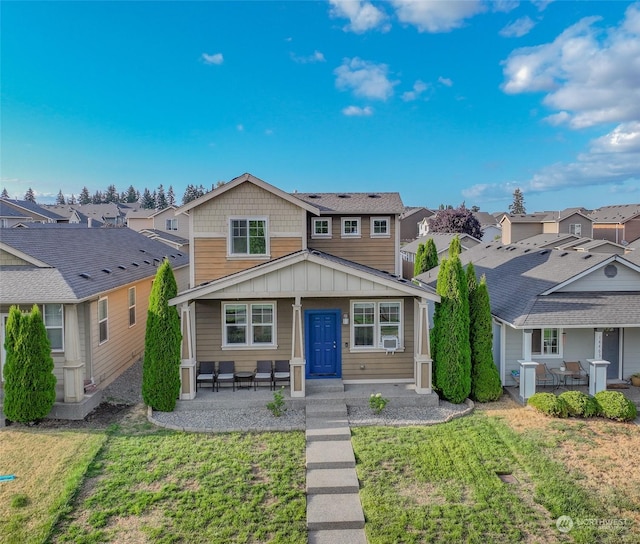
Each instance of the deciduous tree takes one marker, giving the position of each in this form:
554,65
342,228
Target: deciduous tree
459,220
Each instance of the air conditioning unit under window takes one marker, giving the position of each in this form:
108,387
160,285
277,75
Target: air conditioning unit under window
390,343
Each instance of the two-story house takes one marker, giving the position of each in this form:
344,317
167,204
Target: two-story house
516,227
619,224
312,278
162,225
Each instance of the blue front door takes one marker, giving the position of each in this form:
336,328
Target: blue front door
322,329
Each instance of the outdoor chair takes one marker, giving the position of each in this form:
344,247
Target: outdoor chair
226,374
206,373
579,376
263,373
543,376
281,372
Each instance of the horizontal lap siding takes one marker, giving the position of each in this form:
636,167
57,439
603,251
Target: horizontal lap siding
612,233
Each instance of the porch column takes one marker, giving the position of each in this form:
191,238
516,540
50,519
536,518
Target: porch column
527,379
187,357
73,367
528,333
597,375
597,348
422,357
297,363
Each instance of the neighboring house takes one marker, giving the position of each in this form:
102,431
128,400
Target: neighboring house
310,278
619,224
442,241
489,226
516,227
14,211
573,243
551,306
410,220
162,225
93,286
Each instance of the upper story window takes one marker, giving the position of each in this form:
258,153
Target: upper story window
546,342
371,320
103,320
248,236
575,228
132,306
321,227
251,324
53,317
351,227
4,223
380,227
171,224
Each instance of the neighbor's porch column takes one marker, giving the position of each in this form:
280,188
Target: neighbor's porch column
73,368
187,356
526,355
597,348
422,357
597,375
297,363
527,379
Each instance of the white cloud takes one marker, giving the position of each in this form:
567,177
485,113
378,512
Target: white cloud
364,78
356,111
436,15
519,27
445,81
504,6
362,15
419,87
217,58
541,4
590,76
317,56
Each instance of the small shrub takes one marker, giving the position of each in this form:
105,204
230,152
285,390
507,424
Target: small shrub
377,402
19,500
549,404
614,405
277,406
579,404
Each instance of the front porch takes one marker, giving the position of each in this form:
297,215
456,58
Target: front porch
629,391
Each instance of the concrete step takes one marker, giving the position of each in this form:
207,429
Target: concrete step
337,536
332,481
321,429
334,385
330,454
333,410
339,511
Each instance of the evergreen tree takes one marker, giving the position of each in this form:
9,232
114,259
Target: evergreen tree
131,196
30,385
161,199
5,193
459,220
455,247
171,197
451,352
84,197
418,263
60,198
72,200
162,344
430,254
111,196
98,198
147,202
517,206
29,196
192,193
485,378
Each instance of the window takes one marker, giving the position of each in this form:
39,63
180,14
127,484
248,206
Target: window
321,228
172,224
132,306
103,320
248,237
575,228
4,223
351,227
251,324
53,316
545,342
380,227
373,320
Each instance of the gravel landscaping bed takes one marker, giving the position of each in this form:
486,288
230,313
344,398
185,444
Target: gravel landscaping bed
408,415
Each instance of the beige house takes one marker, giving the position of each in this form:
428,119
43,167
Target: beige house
93,296
162,225
312,278
619,224
517,227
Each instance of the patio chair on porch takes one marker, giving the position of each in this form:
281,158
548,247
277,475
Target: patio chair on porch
206,373
579,376
226,373
263,373
281,372
543,376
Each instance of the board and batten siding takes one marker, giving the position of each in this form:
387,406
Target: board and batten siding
625,279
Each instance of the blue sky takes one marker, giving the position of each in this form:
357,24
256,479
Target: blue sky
442,101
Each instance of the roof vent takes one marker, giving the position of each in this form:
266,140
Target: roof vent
344,196
134,264
147,261
588,256
155,261
122,267
85,276
314,196
179,254
564,253
142,251
372,195
527,250
107,270
544,252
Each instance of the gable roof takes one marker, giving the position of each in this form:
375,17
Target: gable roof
354,203
410,210
522,284
32,207
615,214
77,259
442,240
550,239
11,211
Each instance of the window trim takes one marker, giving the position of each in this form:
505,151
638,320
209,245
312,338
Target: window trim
267,246
315,220
541,354
377,332
380,235
104,300
171,224
344,234
132,306
250,344
47,327
575,229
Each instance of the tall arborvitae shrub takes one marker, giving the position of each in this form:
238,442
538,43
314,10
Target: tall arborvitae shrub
30,385
162,344
430,254
485,378
455,247
418,264
451,351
